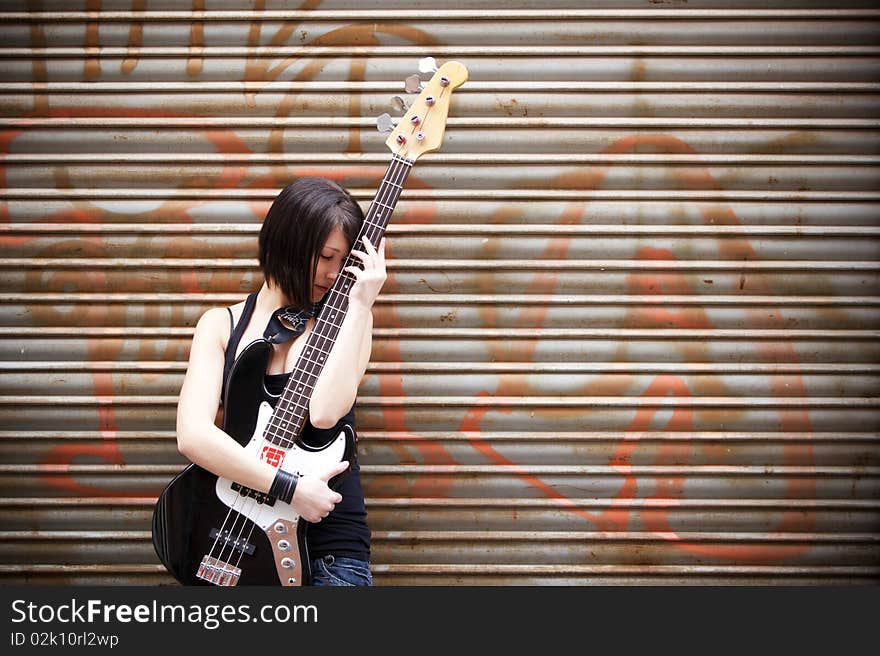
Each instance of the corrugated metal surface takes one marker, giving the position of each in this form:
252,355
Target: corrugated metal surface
630,329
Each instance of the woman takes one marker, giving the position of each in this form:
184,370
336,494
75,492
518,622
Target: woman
307,234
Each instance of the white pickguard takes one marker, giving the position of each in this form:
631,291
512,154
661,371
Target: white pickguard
296,459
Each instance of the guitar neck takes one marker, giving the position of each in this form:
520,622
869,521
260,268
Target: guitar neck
292,408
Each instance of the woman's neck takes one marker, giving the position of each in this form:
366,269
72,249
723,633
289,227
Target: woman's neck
270,298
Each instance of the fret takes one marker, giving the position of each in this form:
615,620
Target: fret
291,404
378,225
279,438
279,430
330,323
300,385
284,442
289,408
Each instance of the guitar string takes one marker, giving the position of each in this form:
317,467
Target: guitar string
323,334
235,514
221,531
324,329
396,167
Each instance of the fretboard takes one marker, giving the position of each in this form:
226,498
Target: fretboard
291,410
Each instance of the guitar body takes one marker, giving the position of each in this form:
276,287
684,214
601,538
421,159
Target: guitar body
208,530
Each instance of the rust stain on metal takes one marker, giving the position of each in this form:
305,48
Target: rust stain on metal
135,40
196,41
93,42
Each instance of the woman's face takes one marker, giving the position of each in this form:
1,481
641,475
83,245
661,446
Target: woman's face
330,258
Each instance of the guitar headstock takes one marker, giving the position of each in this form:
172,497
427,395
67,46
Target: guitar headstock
421,129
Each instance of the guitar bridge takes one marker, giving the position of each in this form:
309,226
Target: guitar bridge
217,572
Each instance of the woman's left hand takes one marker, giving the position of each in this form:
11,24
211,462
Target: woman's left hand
370,276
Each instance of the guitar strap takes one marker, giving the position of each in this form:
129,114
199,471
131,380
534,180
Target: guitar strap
278,332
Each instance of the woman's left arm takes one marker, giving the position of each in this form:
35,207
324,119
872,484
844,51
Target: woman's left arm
337,386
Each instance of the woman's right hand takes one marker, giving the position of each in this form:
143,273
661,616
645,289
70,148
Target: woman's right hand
313,499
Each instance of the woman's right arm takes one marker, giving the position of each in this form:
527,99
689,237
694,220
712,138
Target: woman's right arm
202,442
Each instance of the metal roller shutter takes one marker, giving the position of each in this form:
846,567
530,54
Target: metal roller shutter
629,333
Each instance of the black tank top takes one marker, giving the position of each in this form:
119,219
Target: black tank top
344,532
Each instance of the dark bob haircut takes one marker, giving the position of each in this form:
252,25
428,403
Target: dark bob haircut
301,218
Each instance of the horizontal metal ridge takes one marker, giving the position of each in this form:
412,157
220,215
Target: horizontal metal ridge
590,536
453,265
475,333
379,368
494,16
624,299
635,503
461,502
449,159
87,435
393,86
404,229
559,195
65,569
509,122
512,300
488,569
367,436
700,300
75,502
485,569
438,50
493,470
564,402
627,470
75,535
501,536
94,366
762,437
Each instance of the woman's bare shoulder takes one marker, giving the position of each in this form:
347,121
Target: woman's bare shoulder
214,324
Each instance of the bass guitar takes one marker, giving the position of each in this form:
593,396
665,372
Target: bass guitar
209,530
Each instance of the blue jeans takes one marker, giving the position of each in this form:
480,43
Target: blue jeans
337,570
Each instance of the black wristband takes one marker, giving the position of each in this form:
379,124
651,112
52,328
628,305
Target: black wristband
283,485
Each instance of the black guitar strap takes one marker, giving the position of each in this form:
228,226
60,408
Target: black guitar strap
278,332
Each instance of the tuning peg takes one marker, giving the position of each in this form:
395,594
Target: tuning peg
427,65
384,124
412,84
399,104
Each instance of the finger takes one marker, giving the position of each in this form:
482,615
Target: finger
332,471
369,245
366,260
382,250
355,271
